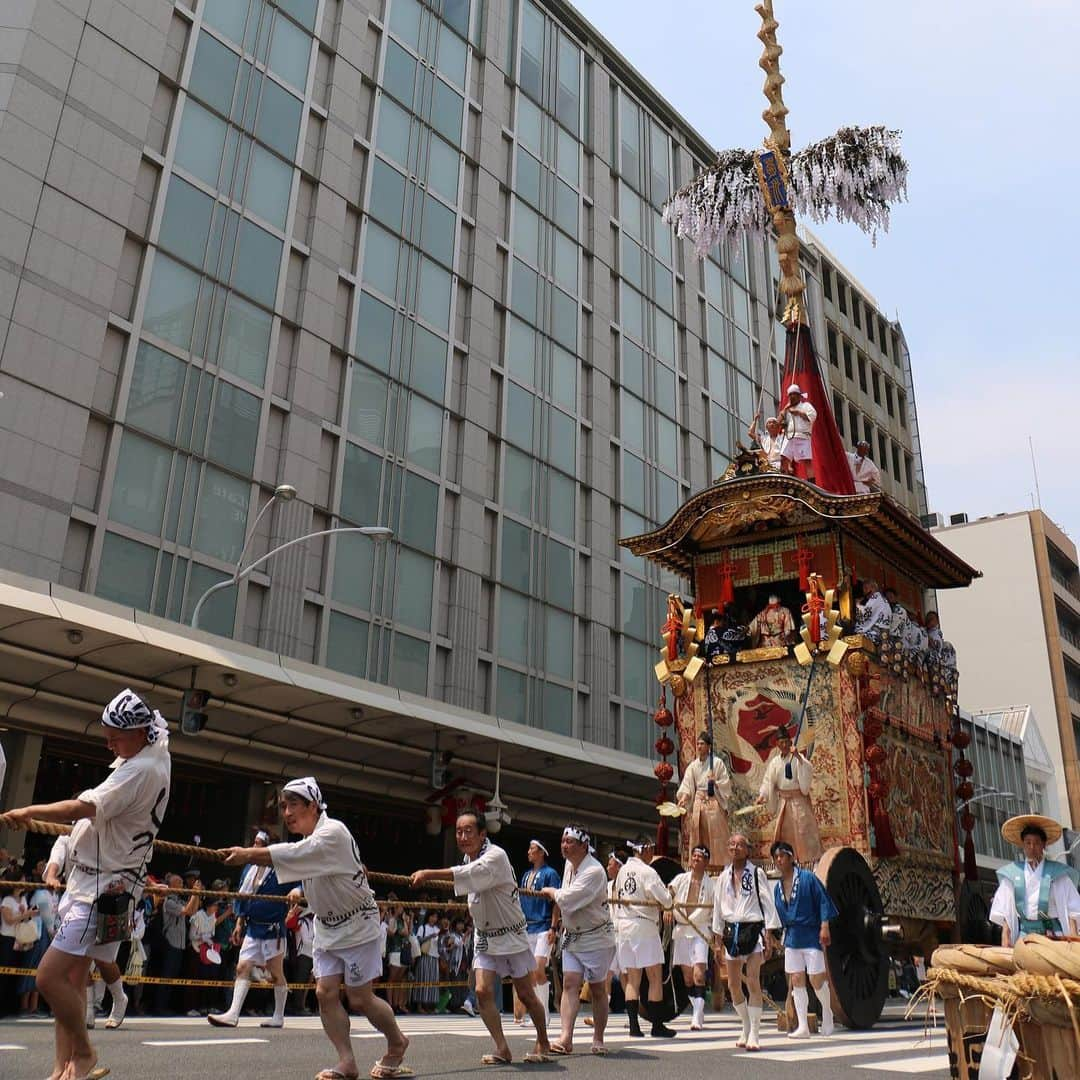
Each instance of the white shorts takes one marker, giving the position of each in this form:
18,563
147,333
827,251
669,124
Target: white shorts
812,961
593,966
76,932
260,950
797,450
359,964
540,945
510,965
640,952
689,951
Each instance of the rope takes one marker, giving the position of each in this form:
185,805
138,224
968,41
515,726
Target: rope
50,828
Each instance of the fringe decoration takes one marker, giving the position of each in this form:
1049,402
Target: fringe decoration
853,175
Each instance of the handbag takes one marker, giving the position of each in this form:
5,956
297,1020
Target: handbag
26,935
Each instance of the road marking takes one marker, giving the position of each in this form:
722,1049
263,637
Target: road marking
823,1050
200,1042
11,1046
927,1063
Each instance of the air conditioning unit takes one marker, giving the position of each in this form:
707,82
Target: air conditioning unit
932,521
958,519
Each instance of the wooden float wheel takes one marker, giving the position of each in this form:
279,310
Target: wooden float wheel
857,961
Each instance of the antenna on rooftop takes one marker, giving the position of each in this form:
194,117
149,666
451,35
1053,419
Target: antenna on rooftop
1035,472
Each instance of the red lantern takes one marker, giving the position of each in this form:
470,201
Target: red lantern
664,746
663,772
662,717
871,728
965,790
963,768
875,754
961,739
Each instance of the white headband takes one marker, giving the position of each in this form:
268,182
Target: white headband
306,787
539,845
572,832
263,836
637,848
128,711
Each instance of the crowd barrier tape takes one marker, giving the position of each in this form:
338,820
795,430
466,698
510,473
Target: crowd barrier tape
221,984
50,828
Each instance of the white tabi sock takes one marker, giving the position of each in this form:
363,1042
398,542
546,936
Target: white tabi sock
281,996
755,1026
699,1011
801,997
542,996
744,1016
824,995
239,993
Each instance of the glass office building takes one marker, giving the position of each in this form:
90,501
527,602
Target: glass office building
407,257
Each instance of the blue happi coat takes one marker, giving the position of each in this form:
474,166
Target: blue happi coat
804,911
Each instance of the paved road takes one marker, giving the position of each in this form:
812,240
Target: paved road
450,1046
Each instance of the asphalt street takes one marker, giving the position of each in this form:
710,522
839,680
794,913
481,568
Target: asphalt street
449,1046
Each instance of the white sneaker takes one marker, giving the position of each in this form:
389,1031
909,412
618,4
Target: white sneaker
119,1011
468,1007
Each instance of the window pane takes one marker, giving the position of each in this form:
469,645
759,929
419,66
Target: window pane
510,696
126,572
530,70
393,134
185,225
360,486
633,482
569,154
564,378
566,208
530,126
745,398
443,167
633,321
517,481
518,427
636,668
718,386
558,643
157,385
455,13
666,444
630,152
521,351
428,373
665,337
405,21
235,430
634,618
515,555
567,102
387,200
201,142
632,421
564,318
630,261
213,73
381,260
374,331
562,504
559,576
566,262
142,479
563,448
667,496
412,592
223,507
526,236
346,644
303,11
664,286
523,291
558,713
633,367
433,302
637,732
245,340
446,106
437,231
513,626
630,212
258,261
664,378
408,669
424,442
527,177
399,73
269,186
354,561
279,119
228,16
420,513
452,56
662,239
367,405
290,49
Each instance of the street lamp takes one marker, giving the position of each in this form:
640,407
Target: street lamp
283,492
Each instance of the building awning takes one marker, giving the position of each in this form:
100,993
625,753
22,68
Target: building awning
64,654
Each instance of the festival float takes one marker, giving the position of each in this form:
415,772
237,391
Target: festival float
873,715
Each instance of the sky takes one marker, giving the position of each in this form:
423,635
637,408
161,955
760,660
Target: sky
982,264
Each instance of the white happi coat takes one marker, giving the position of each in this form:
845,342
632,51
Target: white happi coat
683,892
773,445
738,901
799,421
873,616
866,474
498,921
639,881
583,903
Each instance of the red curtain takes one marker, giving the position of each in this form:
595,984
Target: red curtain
831,465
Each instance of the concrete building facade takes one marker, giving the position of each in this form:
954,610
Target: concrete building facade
1015,632
406,257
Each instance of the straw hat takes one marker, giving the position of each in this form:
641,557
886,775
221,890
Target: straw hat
1015,825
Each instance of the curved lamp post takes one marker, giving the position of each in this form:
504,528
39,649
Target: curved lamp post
284,492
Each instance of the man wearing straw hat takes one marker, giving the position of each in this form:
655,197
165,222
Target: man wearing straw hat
1035,895
108,868
348,933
